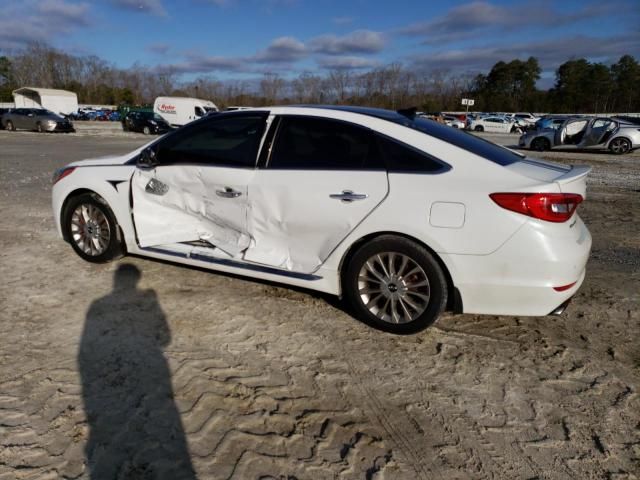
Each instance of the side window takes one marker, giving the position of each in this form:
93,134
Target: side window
231,141
198,111
402,158
309,143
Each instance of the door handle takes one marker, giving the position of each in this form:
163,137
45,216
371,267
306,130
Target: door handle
347,196
228,193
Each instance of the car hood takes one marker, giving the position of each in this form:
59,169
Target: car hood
55,118
111,159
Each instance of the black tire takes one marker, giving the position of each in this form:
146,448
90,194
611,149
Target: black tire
39,127
113,246
479,128
10,126
146,130
540,144
395,249
619,146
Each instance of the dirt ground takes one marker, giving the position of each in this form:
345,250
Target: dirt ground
192,374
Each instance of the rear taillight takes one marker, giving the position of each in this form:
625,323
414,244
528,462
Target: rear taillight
61,173
552,207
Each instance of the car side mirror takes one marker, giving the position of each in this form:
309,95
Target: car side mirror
147,159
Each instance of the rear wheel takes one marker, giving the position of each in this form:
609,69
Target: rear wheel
39,127
619,146
540,144
10,126
479,128
91,228
396,285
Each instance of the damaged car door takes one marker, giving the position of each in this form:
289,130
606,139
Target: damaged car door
193,185
572,132
600,130
320,179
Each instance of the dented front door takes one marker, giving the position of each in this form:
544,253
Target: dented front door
174,204
198,190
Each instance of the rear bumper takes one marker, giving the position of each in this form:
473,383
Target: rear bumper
519,278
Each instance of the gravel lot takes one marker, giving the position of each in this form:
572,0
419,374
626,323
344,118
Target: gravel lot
194,371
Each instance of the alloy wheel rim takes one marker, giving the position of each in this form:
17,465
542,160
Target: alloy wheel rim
393,287
619,146
90,229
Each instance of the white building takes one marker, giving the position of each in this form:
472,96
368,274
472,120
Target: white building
58,101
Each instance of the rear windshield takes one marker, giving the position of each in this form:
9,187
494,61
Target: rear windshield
461,139
467,141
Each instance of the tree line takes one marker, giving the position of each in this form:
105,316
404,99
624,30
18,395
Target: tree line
580,86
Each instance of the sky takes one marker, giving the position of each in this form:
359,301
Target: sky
242,39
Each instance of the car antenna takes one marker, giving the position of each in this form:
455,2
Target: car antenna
408,112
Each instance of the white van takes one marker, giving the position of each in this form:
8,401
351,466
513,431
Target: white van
178,111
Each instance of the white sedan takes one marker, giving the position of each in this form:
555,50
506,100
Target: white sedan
454,122
401,216
493,125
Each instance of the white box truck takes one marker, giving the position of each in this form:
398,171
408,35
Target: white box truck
178,111
61,102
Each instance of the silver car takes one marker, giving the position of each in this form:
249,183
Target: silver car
37,119
584,133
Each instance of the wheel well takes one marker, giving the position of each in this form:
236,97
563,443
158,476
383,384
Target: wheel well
454,300
622,137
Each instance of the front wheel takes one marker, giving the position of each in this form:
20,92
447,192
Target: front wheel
10,126
91,228
395,284
540,144
146,130
479,128
619,146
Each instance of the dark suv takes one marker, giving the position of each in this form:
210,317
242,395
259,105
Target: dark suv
145,122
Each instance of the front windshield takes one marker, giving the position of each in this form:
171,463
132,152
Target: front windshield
158,118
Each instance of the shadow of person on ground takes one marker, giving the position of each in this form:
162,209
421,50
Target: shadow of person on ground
135,428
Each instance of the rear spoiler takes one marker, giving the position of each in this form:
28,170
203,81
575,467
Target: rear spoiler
575,180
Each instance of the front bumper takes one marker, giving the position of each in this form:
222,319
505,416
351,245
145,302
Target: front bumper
66,127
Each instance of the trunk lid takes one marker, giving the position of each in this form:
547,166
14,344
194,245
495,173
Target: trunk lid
569,178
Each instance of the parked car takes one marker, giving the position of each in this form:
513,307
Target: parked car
453,121
145,122
37,119
401,216
493,124
368,204
526,119
585,133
